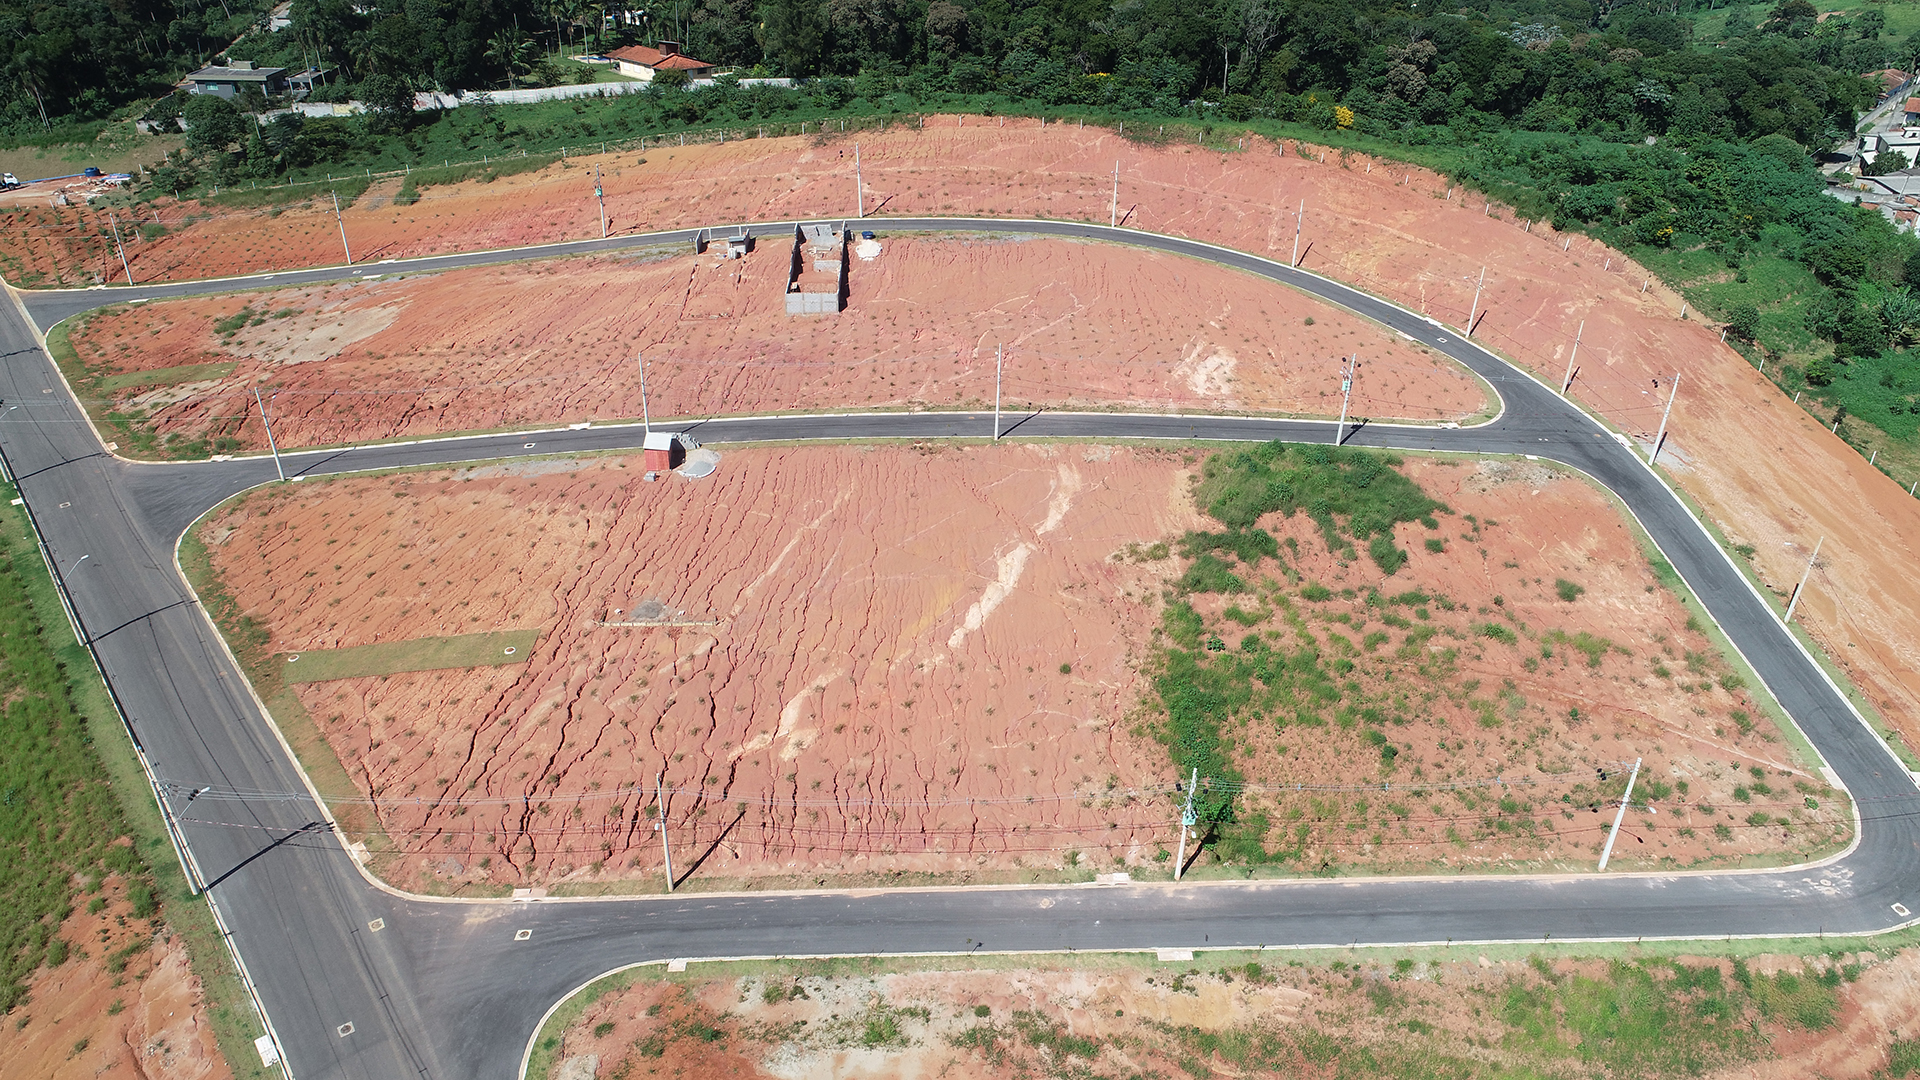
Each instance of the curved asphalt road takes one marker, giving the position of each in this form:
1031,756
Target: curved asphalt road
444,990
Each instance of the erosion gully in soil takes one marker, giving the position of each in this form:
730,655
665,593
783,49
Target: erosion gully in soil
1083,325
124,1005
861,662
1768,474
1451,1012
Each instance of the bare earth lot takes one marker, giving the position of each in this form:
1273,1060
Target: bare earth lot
858,661
555,342
1386,228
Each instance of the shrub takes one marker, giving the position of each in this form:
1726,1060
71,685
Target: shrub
1499,632
1567,590
603,1029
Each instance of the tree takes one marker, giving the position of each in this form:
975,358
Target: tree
511,49
1887,161
212,123
389,102
793,33
1743,321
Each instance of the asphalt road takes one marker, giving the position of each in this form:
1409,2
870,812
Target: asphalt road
444,989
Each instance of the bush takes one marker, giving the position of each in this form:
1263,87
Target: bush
1499,632
1567,590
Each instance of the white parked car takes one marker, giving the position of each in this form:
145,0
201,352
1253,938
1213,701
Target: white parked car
9,180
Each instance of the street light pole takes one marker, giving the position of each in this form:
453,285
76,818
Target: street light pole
646,424
121,248
997,367
343,228
1568,381
1113,213
1794,600
660,802
1620,815
859,188
1348,369
600,196
1299,217
1474,313
1186,823
264,422
1661,436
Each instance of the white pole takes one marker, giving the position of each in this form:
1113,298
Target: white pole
859,191
343,227
1299,216
1568,381
1186,823
660,802
1348,368
646,424
600,196
1662,435
996,393
1794,600
1475,312
1620,816
1113,213
118,247
264,422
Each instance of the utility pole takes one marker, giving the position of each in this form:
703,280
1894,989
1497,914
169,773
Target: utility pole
1113,215
1794,600
660,802
265,423
1348,369
600,195
646,424
1568,381
1474,312
1186,823
343,227
997,366
859,189
1299,217
1618,817
1662,435
117,246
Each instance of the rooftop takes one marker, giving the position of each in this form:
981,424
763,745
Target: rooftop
238,71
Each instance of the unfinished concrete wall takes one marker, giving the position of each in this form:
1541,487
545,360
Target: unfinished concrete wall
817,274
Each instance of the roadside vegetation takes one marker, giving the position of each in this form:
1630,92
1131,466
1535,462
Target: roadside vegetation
1550,1011
75,807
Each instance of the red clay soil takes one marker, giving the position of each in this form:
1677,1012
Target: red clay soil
1465,705
876,658
1384,227
465,350
83,1019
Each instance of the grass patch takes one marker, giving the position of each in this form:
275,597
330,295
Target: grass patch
166,376
1352,495
493,649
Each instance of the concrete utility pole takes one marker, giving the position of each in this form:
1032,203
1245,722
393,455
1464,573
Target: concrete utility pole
996,392
1571,357
1348,369
1618,817
1662,435
1794,600
1113,214
1474,312
859,189
646,425
660,802
265,423
117,246
1186,823
1299,216
601,197
343,227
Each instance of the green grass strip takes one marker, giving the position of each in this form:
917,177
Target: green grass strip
166,376
420,654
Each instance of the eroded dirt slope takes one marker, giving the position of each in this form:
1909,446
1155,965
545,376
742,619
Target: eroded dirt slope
553,342
864,660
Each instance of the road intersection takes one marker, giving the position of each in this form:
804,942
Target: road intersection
359,980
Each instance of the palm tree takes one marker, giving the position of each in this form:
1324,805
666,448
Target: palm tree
510,49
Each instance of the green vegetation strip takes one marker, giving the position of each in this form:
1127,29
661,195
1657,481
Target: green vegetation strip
62,741
166,376
420,654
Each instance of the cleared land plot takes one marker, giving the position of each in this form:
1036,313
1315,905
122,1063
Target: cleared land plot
940,661
1399,232
1083,325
